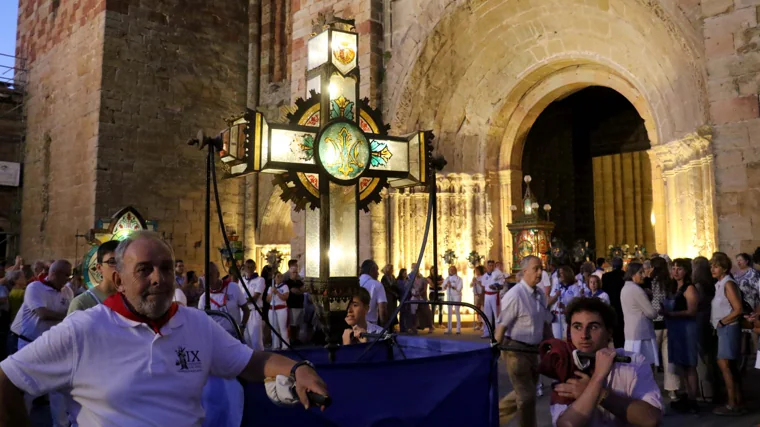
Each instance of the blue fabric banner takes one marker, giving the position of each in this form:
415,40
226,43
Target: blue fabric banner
433,383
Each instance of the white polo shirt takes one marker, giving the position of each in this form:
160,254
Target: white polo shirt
40,295
121,373
229,302
376,295
255,285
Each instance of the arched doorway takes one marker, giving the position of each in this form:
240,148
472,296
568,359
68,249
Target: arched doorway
587,155
275,230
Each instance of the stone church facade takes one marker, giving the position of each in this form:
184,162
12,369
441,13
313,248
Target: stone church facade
117,86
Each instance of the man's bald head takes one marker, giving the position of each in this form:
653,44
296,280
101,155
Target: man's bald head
59,273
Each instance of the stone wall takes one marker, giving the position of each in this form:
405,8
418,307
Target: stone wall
169,69
732,48
11,145
63,44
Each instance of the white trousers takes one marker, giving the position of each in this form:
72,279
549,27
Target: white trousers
459,316
491,309
672,381
253,334
279,319
57,400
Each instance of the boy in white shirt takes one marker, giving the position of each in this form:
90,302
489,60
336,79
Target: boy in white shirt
612,394
277,296
453,287
356,318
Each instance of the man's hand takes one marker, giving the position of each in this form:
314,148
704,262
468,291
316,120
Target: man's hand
605,358
574,386
347,334
308,380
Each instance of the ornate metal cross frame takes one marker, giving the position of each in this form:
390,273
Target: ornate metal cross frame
334,156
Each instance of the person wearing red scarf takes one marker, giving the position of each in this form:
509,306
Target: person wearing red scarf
138,358
609,394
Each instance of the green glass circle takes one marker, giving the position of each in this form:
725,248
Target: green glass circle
343,150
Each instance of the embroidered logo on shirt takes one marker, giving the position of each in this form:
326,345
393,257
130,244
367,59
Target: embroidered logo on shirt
188,360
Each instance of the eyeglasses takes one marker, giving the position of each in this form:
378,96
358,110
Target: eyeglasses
111,262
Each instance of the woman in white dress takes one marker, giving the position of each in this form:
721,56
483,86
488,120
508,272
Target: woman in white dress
277,296
639,314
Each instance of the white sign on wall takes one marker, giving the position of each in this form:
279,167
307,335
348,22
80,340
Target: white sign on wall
10,173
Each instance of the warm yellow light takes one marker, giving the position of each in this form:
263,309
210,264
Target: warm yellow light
335,252
280,145
333,89
652,218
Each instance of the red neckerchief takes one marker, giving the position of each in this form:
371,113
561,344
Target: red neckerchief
116,303
223,290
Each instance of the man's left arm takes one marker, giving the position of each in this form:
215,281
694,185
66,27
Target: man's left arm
382,304
243,303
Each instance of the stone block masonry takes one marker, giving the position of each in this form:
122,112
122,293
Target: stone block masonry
733,74
169,69
63,42
116,88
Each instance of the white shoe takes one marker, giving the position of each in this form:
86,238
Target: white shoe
539,392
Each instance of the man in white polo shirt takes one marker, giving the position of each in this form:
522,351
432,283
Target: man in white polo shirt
45,305
378,304
138,359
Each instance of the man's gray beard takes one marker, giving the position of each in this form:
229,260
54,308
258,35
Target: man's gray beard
155,309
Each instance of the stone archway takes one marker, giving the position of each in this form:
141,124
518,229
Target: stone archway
275,230
488,68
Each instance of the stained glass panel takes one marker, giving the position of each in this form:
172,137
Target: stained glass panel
342,97
344,151
390,155
317,51
343,242
314,84
292,147
344,51
312,243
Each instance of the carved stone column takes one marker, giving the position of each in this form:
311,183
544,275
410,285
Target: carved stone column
688,174
379,231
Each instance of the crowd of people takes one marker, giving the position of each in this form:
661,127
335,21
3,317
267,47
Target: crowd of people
695,320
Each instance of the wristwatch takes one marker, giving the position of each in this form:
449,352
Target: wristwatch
298,365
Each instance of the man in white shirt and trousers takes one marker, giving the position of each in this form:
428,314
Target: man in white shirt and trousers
490,282
453,287
523,323
45,305
255,284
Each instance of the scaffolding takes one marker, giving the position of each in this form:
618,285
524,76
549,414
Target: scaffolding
13,80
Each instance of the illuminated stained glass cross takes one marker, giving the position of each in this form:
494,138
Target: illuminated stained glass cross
335,155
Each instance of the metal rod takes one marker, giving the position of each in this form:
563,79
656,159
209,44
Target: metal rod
434,201
207,227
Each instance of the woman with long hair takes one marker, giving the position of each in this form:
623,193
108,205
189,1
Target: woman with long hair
661,280
707,365
638,313
680,312
726,313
